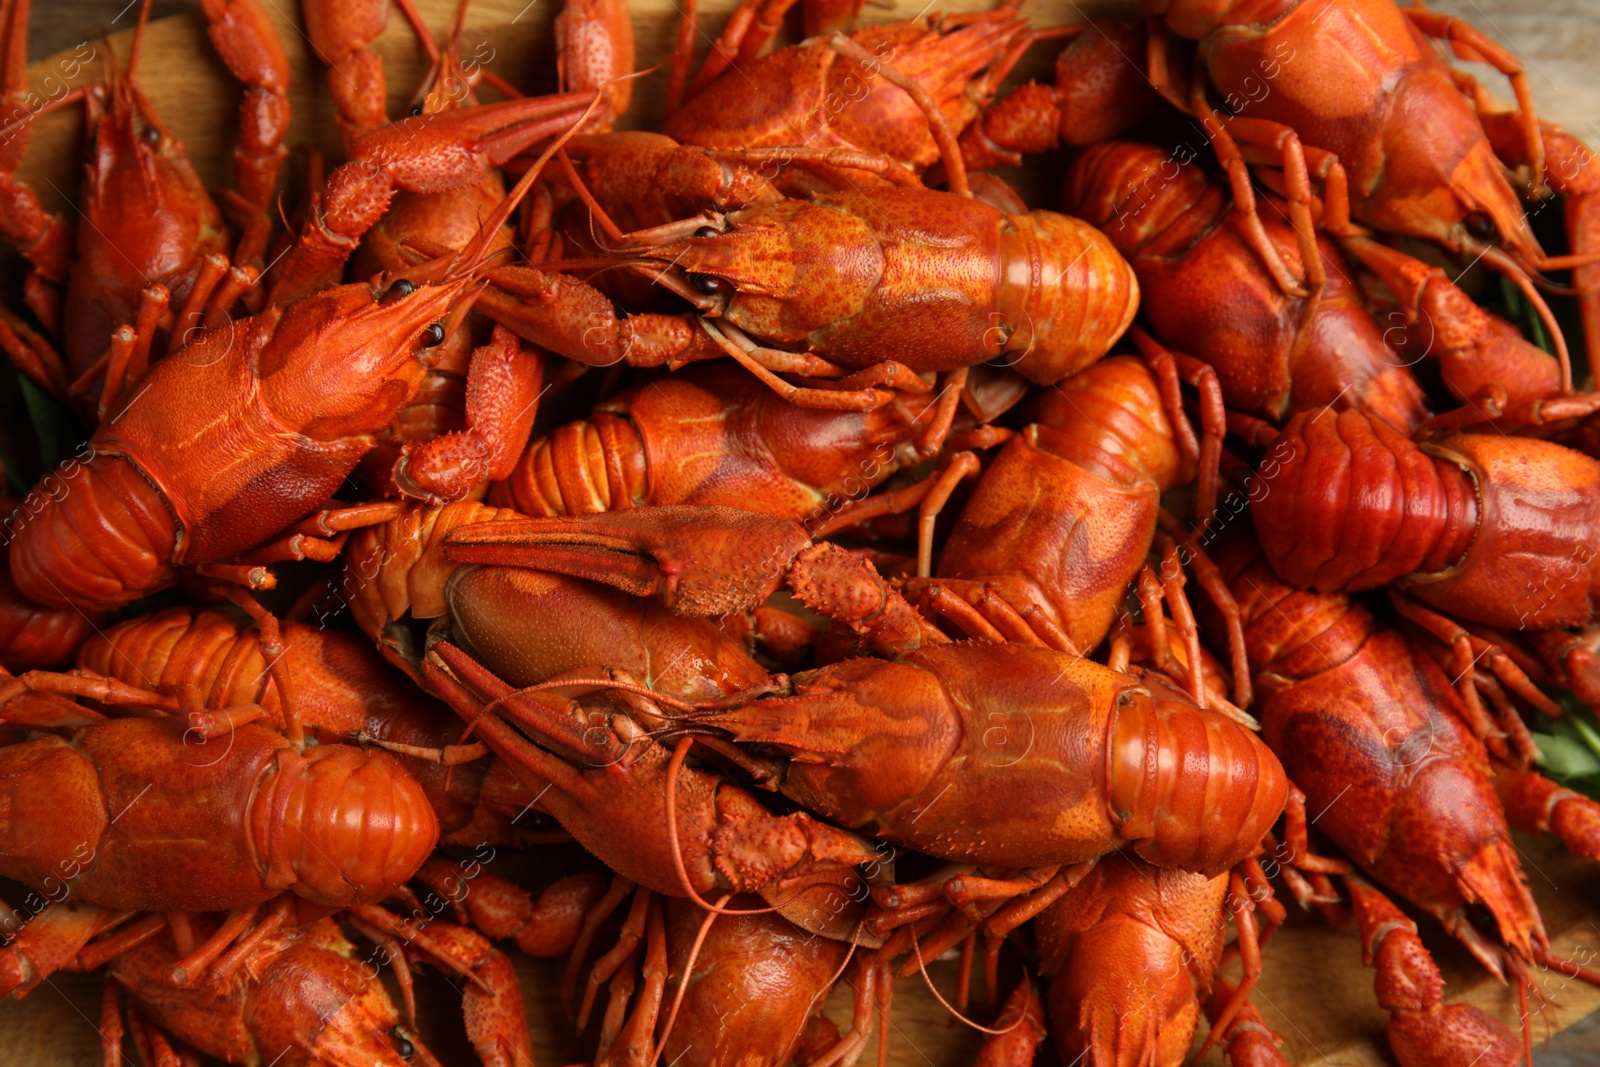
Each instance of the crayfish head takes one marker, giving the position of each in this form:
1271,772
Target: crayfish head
1140,1010
149,219
1443,182
778,270
136,163
315,1003
1066,296
717,262
366,348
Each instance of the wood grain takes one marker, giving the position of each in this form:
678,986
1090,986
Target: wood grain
1315,991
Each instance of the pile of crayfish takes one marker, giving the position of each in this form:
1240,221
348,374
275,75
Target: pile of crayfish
781,534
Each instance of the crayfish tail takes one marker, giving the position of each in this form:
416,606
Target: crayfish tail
1168,757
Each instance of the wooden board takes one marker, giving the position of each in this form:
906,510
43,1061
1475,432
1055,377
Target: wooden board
1315,991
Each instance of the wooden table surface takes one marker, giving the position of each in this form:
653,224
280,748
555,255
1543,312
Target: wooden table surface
1315,992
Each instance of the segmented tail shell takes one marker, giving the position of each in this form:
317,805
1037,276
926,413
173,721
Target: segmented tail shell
1484,527
1188,788
342,825
180,645
33,636
1135,193
584,467
93,535
1113,411
1066,294
1352,503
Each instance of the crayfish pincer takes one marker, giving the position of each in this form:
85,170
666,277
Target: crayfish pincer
992,754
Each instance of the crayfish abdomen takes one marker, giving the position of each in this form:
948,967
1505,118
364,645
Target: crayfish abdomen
933,280
1065,515
711,433
303,995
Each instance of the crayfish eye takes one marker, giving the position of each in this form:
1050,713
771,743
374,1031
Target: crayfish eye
400,288
708,231
415,111
433,336
403,1043
1479,225
709,284
150,136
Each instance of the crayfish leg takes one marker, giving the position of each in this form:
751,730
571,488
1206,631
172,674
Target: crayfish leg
1246,1040
1291,154
1474,348
1571,169
547,926
45,239
636,1036
619,891
1470,43
243,36
1423,1030
192,967
1536,805
34,357
594,42
111,1028
44,943
504,384
1021,1029
341,33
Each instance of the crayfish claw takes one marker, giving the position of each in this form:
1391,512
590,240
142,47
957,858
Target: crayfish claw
703,561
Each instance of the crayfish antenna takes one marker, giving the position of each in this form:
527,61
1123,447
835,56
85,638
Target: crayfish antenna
916,948
679,753
441,61
1520,277
134,49
476,254
470,259
688,971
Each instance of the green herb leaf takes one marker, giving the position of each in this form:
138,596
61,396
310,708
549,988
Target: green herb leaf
1564,758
